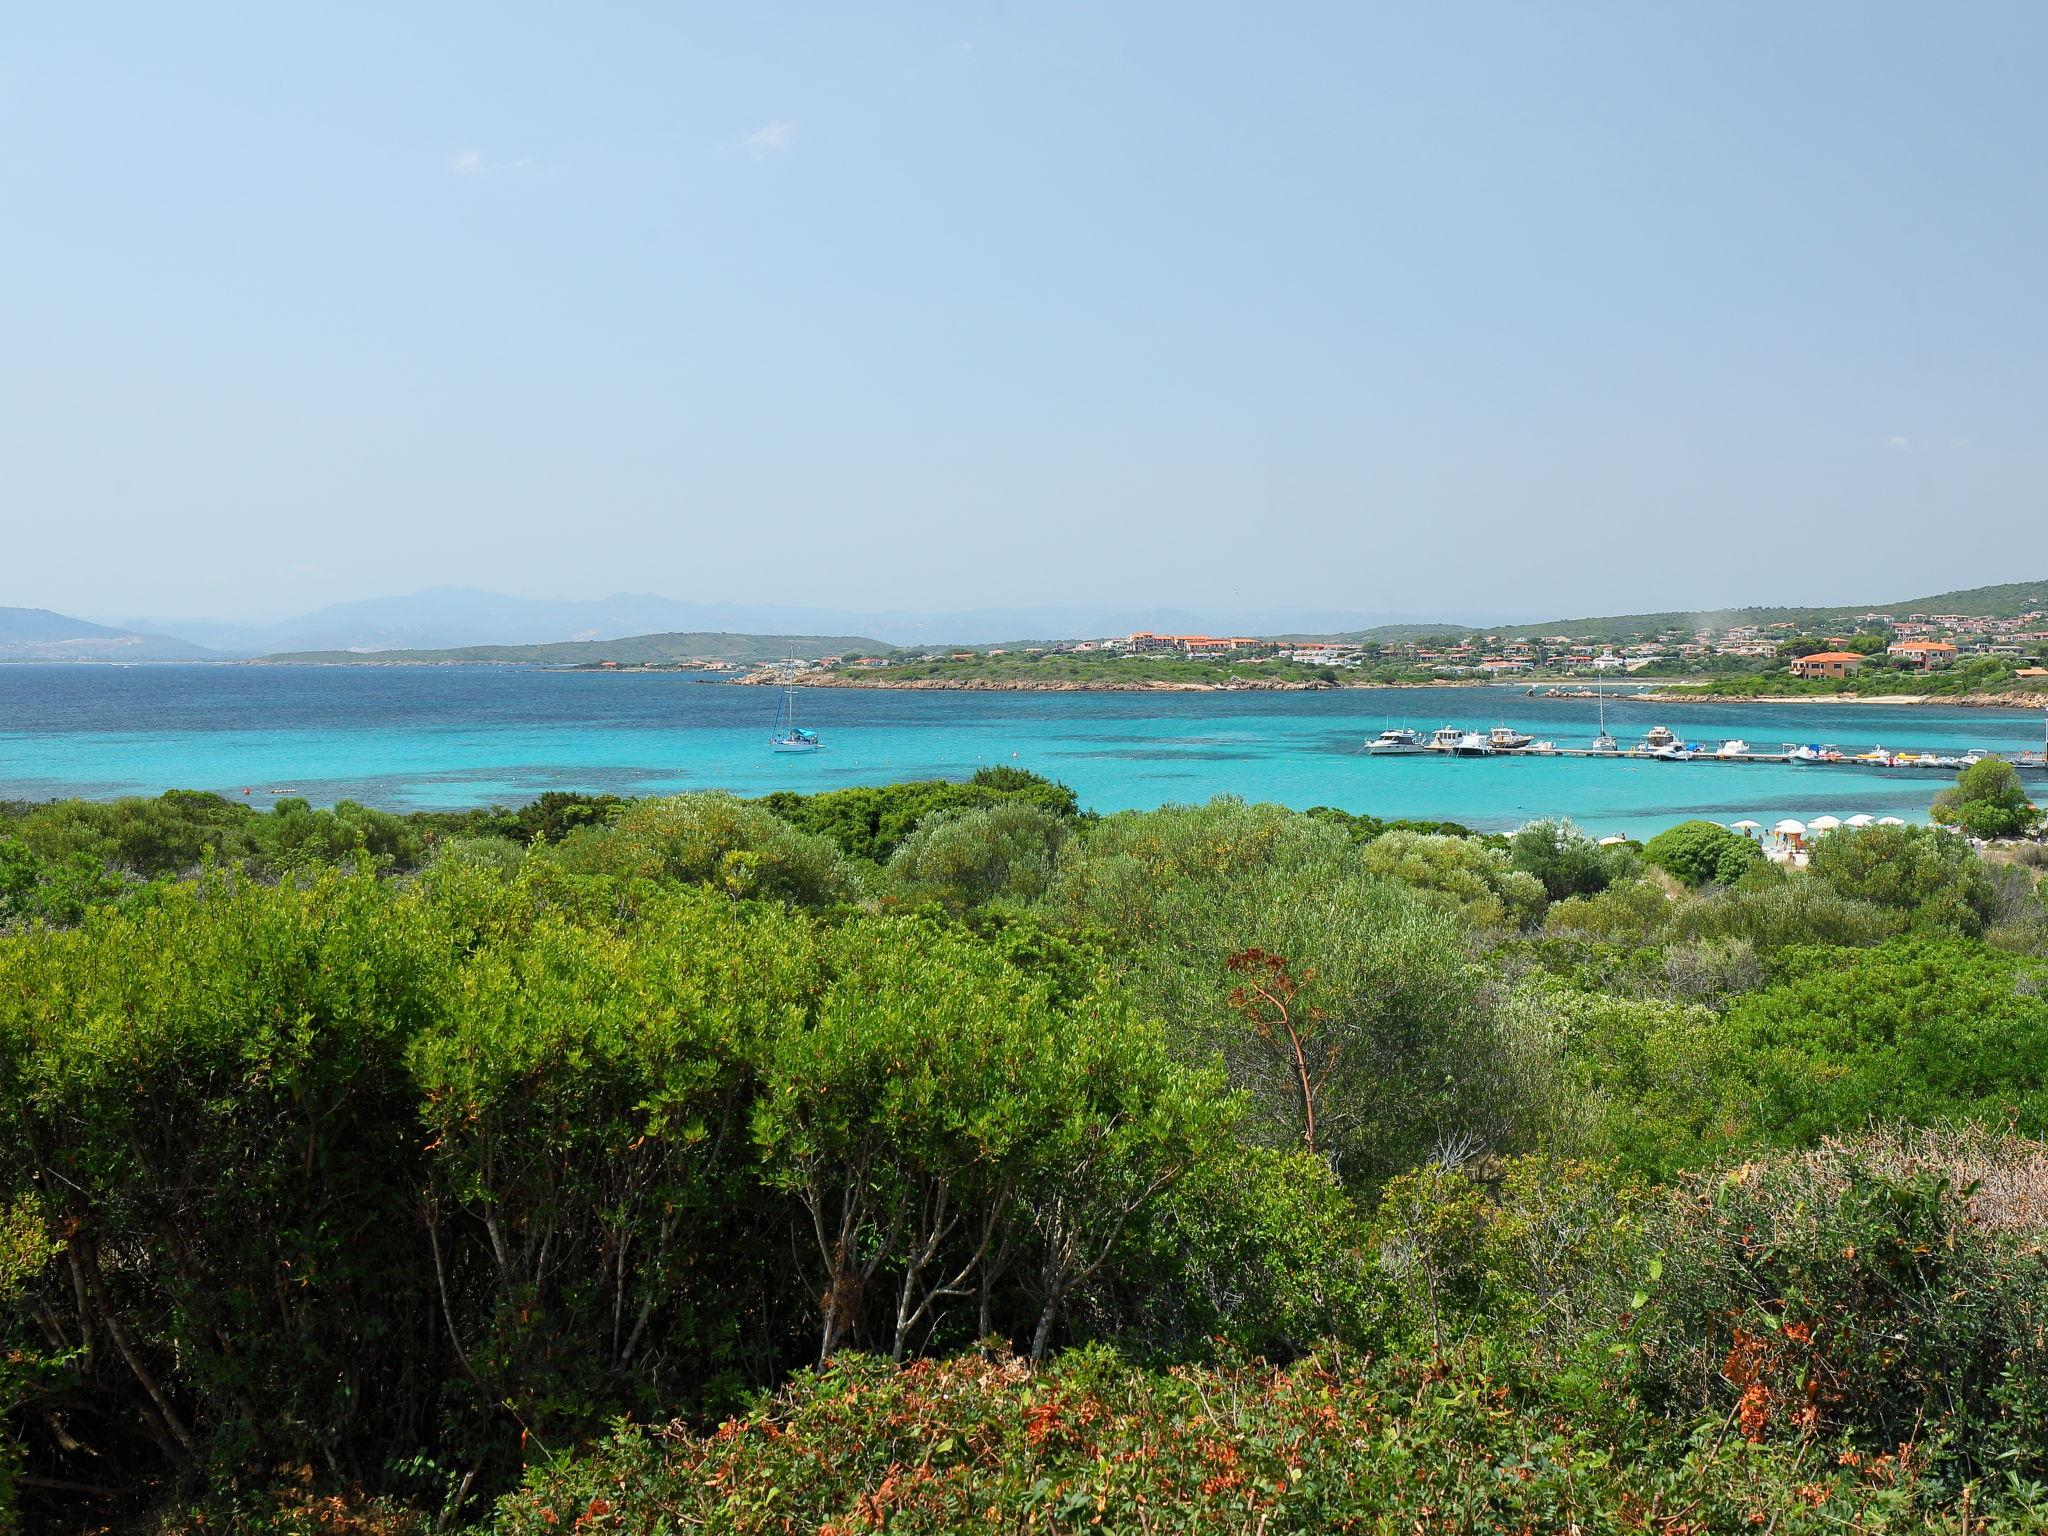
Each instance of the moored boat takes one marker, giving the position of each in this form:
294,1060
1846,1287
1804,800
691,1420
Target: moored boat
789,736
1397,742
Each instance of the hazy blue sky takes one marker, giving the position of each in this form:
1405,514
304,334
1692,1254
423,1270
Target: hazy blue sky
1518,307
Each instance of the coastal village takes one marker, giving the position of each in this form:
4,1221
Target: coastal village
1908,645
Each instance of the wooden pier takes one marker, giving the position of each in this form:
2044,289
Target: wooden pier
2029,763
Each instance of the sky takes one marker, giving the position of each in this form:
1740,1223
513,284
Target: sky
1527,309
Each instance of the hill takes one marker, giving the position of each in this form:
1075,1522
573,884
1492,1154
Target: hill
37,634
1999,602
634,650
452,618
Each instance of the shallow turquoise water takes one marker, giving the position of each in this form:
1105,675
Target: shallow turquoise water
412,738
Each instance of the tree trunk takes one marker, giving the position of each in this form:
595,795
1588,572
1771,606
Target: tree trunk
97,1284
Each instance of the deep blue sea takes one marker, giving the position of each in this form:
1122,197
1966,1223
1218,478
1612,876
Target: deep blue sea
434,737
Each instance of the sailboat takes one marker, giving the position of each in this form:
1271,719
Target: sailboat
789,736
1603,744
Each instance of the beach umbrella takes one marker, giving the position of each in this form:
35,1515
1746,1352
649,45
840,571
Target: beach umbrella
1825,823
1890,821
1745,826
1861,819
1789,828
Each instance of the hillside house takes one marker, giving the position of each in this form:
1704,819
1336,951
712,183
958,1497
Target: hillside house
1828,664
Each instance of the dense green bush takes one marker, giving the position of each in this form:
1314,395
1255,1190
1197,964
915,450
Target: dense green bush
402,1152
1349,1009
1335,1443
1566,861
1987,800
709,839
1927,876
1702,853
1775,911
1465,876
1919,1030
966,858
870,823
1889,1297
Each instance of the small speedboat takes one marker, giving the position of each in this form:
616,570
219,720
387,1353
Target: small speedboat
1733,749
1397,742
1472,744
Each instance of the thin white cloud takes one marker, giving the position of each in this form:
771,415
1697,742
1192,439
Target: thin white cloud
770,140
1899,442
471,162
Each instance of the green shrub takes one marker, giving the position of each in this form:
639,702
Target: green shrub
1987,800
1917,1030
1891,1295
1566,861
709,839
1928,876
970,857
1463,875
1702,853
1776,912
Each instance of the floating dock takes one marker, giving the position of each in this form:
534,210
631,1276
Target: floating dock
2025,762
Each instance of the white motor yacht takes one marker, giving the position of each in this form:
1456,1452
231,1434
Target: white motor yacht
1397,742
1733,749
1505,738
1472,744
1446,738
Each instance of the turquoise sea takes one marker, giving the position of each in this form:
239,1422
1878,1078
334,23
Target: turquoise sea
432,737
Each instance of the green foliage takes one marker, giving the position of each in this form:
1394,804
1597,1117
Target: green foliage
1920,1030
1566,861
169,835
871,822
1647,1075
1364,828
1887,1299
709,839
1926,875
59,890
1350,1010
416,1149
1463,875
1772,912
970,857
1988,800
295,836
1335,1442
1629,911
1702,853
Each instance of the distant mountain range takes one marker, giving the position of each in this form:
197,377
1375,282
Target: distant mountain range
430,625
631,651
37,634
447,618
